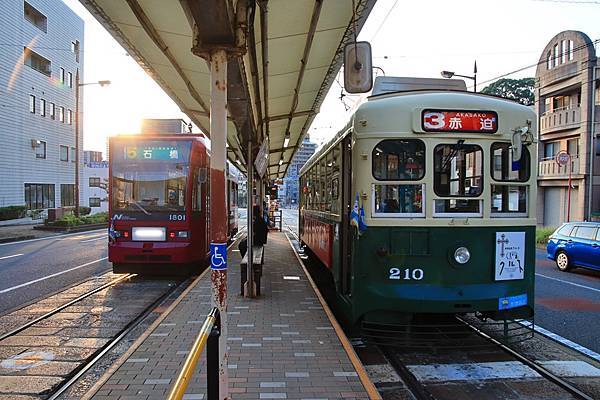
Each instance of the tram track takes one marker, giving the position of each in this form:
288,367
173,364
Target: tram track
419,389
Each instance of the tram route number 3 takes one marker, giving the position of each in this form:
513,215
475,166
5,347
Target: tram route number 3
406,274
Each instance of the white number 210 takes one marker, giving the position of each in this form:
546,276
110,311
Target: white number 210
409,274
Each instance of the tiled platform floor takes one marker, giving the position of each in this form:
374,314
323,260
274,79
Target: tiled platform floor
282,345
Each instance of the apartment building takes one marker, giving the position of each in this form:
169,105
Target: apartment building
39,60
567,99
288,191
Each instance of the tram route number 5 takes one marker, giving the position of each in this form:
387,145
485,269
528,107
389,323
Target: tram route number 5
218,256
410,274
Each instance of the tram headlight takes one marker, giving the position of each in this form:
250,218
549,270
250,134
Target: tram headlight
462,255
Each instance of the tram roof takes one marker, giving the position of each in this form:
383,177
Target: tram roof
160,36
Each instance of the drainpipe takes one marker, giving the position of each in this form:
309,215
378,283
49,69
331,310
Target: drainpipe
592,139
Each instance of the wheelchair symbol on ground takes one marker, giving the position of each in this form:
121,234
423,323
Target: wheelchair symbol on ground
218,256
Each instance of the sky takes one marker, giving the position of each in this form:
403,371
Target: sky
408,38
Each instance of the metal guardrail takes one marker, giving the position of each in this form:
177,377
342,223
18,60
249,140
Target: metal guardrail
209,337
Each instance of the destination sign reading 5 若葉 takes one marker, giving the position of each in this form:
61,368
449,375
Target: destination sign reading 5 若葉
459,121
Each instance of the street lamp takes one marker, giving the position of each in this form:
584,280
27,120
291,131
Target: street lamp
77,85
450,74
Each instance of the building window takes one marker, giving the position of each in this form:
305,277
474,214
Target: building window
40,149
549,60
555,58
32,104
64,153
35,17
565,51
73,154
42,107
69,117
67,195
61,75
75,49
61,114
551,149
37,62
570,50
573,147
94,182
94,201
52,111
39,195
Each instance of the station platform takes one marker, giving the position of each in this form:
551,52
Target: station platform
284,344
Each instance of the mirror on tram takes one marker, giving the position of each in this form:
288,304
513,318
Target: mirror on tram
517,144
358,67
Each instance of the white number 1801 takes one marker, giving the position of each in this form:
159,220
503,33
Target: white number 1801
409,274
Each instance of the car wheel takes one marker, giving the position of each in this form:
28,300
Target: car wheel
563,262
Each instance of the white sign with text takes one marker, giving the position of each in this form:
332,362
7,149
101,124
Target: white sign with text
510,255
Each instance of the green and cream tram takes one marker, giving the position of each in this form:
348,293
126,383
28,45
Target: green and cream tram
426,203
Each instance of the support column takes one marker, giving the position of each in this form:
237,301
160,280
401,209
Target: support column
218,206
249,286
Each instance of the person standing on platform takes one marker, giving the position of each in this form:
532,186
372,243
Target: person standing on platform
259,231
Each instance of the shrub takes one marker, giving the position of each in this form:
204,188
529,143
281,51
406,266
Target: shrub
85,210
66,221
71,220
542,234
12,212
97,218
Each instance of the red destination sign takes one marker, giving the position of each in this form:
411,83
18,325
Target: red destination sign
459,121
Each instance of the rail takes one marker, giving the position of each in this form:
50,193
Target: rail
209,337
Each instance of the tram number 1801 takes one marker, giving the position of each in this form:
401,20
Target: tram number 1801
415,274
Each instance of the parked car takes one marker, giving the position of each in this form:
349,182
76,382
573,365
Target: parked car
575,244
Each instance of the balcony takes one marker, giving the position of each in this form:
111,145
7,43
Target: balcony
560,119
548,168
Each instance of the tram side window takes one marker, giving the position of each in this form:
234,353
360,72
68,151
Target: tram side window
335,179
399,160
323,179
458,170
504,169
398,199
508,199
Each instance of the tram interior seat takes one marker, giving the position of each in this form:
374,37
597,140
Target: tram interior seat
257,263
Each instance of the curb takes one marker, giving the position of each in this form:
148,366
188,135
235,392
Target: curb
67,229
16,238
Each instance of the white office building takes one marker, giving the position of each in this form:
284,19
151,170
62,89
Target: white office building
40,56
94,183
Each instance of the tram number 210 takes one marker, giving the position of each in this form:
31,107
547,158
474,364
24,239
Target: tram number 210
406,274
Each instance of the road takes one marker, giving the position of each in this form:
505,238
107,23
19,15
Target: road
35,268
567,304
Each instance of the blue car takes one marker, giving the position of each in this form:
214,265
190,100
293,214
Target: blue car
575,244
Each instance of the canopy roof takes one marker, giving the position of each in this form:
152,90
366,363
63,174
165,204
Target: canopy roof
303,53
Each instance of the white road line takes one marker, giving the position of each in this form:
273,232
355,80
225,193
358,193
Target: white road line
568,283
14,255
568,343
10,289
57,237
91,240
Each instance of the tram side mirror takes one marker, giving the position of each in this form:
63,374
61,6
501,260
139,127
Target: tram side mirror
358,67
517,144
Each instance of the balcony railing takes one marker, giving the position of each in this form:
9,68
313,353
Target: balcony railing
560,119
548,168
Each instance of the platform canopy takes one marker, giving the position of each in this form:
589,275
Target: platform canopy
279,71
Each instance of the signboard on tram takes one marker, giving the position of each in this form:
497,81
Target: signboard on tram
262,159
459,121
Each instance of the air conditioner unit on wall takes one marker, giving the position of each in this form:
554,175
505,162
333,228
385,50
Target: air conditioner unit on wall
35,143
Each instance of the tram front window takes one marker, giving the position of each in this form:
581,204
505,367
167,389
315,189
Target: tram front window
458,170
150,178
399,160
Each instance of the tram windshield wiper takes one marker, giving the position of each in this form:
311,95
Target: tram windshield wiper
138,205
455,149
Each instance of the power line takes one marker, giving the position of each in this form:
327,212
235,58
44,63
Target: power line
569,1
384,19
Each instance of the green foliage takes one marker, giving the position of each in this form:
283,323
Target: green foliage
521,90
12,212
542,234
71,220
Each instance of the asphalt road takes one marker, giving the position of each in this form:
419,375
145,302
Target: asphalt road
568,303
35,268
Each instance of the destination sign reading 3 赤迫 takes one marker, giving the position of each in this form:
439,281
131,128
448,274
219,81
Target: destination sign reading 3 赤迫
459,121
510,255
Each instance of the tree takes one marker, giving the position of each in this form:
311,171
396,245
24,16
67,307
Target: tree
520,90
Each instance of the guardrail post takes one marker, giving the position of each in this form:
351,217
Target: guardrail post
212,361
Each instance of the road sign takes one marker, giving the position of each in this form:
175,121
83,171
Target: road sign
218,255
562,158
262,158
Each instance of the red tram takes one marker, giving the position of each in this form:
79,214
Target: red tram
159,207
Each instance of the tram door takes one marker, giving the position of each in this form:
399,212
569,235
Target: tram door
345,234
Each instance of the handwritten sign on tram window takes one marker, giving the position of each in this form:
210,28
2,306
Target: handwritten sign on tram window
510,255
459,121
